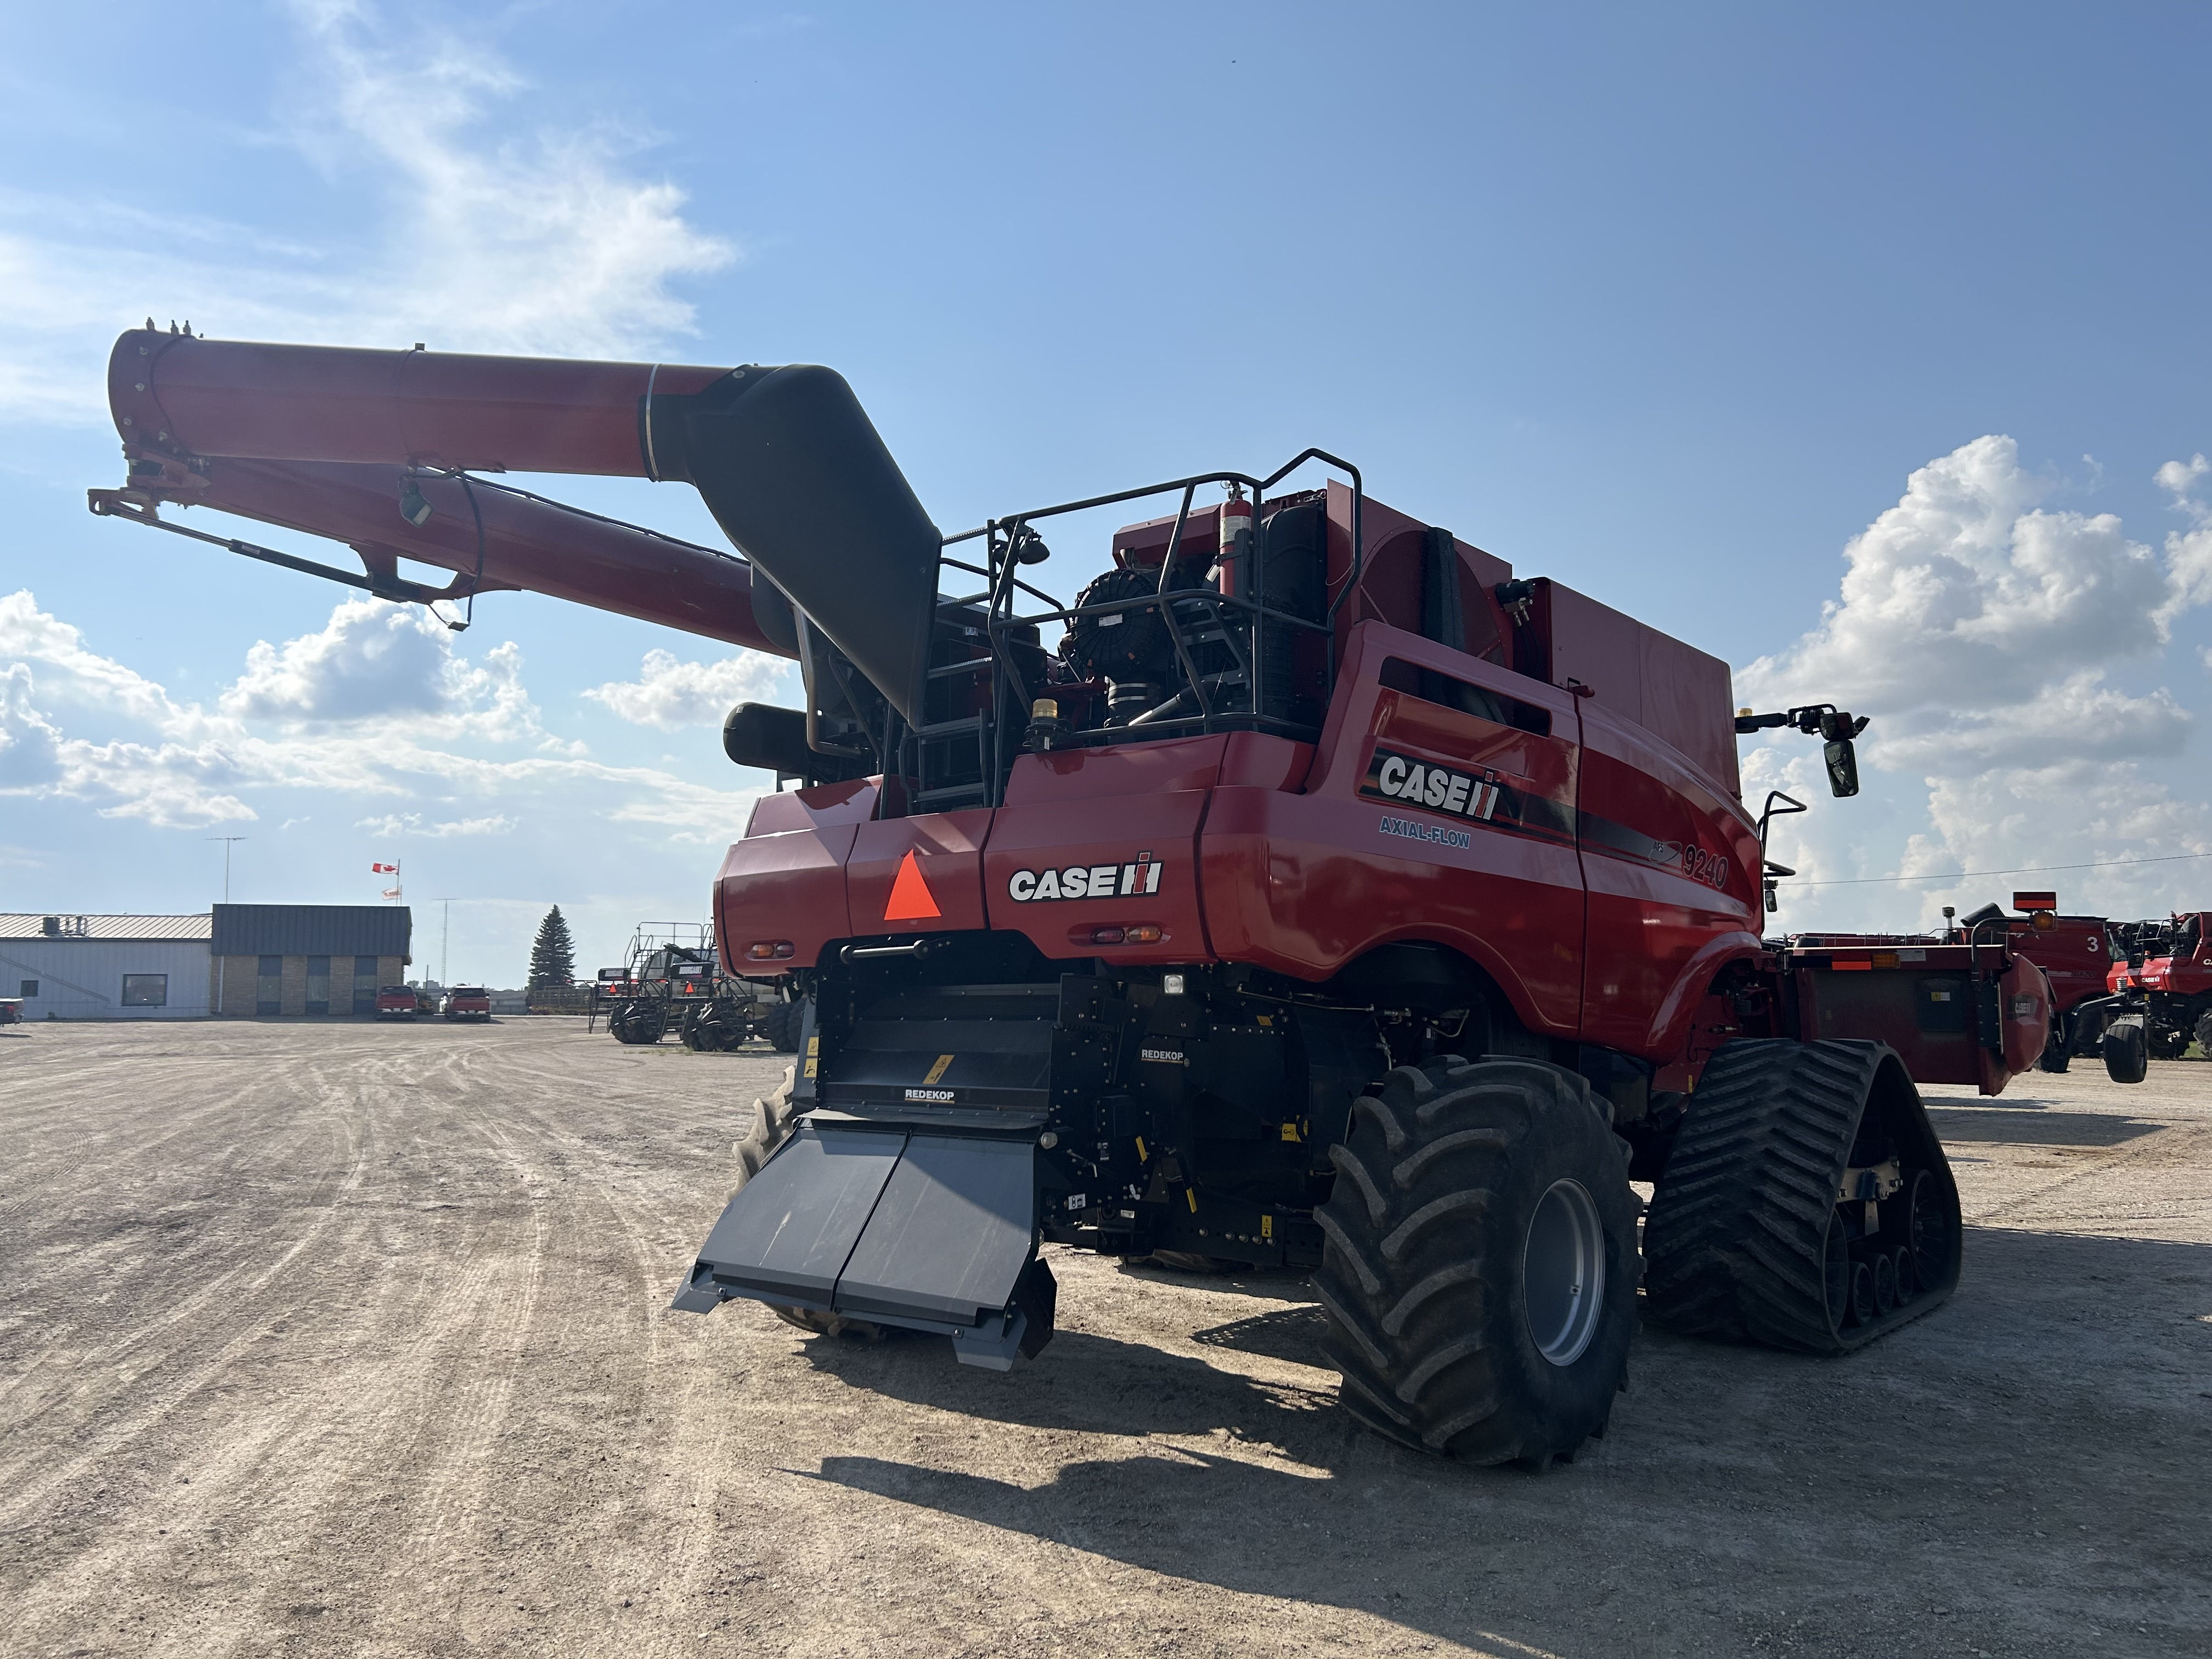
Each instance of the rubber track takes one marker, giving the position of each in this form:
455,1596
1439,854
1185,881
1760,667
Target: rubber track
1734,1245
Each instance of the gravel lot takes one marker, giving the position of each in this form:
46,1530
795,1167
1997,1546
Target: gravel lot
321,1339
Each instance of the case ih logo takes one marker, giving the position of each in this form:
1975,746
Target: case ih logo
1087,881
1422,783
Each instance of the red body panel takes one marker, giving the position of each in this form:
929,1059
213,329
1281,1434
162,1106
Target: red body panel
1250,848
2188,974
2071,952
1929,1001
1144,846
1671,866
785,882
948,853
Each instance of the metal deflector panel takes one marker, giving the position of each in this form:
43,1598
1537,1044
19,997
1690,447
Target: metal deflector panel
933,1232
950,1234
788,1232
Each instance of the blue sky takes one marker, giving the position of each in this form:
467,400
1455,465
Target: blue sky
1865,348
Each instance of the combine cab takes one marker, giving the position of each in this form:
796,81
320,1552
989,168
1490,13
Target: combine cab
1307,890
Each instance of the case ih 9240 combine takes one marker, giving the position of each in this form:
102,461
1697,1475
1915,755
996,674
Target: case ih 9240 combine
1328,896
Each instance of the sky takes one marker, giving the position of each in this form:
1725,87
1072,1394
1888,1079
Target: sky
1865,347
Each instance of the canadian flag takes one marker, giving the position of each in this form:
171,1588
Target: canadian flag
384,869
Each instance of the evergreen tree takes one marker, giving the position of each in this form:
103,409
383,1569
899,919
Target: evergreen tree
553,955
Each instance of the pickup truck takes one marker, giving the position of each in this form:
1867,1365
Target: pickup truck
468,1002
397,1002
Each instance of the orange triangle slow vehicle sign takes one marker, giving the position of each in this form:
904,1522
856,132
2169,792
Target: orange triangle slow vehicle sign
910,899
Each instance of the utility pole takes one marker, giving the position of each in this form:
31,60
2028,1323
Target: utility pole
445,940
228,842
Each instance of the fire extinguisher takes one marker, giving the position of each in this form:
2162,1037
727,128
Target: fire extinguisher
1236,538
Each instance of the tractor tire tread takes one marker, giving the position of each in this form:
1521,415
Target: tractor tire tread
1416,1285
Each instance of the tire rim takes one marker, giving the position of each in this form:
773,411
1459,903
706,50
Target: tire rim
1562,1272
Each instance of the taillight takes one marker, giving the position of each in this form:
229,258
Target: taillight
1144,932
770,950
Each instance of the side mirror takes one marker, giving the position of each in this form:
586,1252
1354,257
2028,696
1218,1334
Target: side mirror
1842,768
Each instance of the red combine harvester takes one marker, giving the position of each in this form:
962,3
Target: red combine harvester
2161,979
1327,897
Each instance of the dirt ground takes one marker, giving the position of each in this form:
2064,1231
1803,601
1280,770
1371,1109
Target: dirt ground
325,1339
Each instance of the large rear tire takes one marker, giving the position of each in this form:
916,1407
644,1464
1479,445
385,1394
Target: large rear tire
1480,1265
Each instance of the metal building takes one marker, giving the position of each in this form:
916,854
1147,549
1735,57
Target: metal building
106,967
305,958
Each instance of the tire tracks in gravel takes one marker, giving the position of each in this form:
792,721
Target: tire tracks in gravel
642,1208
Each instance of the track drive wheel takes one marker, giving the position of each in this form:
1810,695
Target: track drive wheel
1749,1238
1480,1265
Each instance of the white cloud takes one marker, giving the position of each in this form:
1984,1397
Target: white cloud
373,659
2189,552
394,825
669,693
1979,630
477,232
1967,599
344,711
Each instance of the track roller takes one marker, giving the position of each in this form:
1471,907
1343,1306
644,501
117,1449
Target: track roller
1800,1173
1479,1274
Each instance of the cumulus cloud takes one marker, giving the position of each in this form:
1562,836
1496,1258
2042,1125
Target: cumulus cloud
477,232
371,659
1969,607
1981,629
343,710
669,693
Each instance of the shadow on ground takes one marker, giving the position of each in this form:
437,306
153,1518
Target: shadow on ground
2025,1123
2081,1527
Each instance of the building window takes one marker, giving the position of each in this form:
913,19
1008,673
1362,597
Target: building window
318,985
145,990
30,988
268,986
364,985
